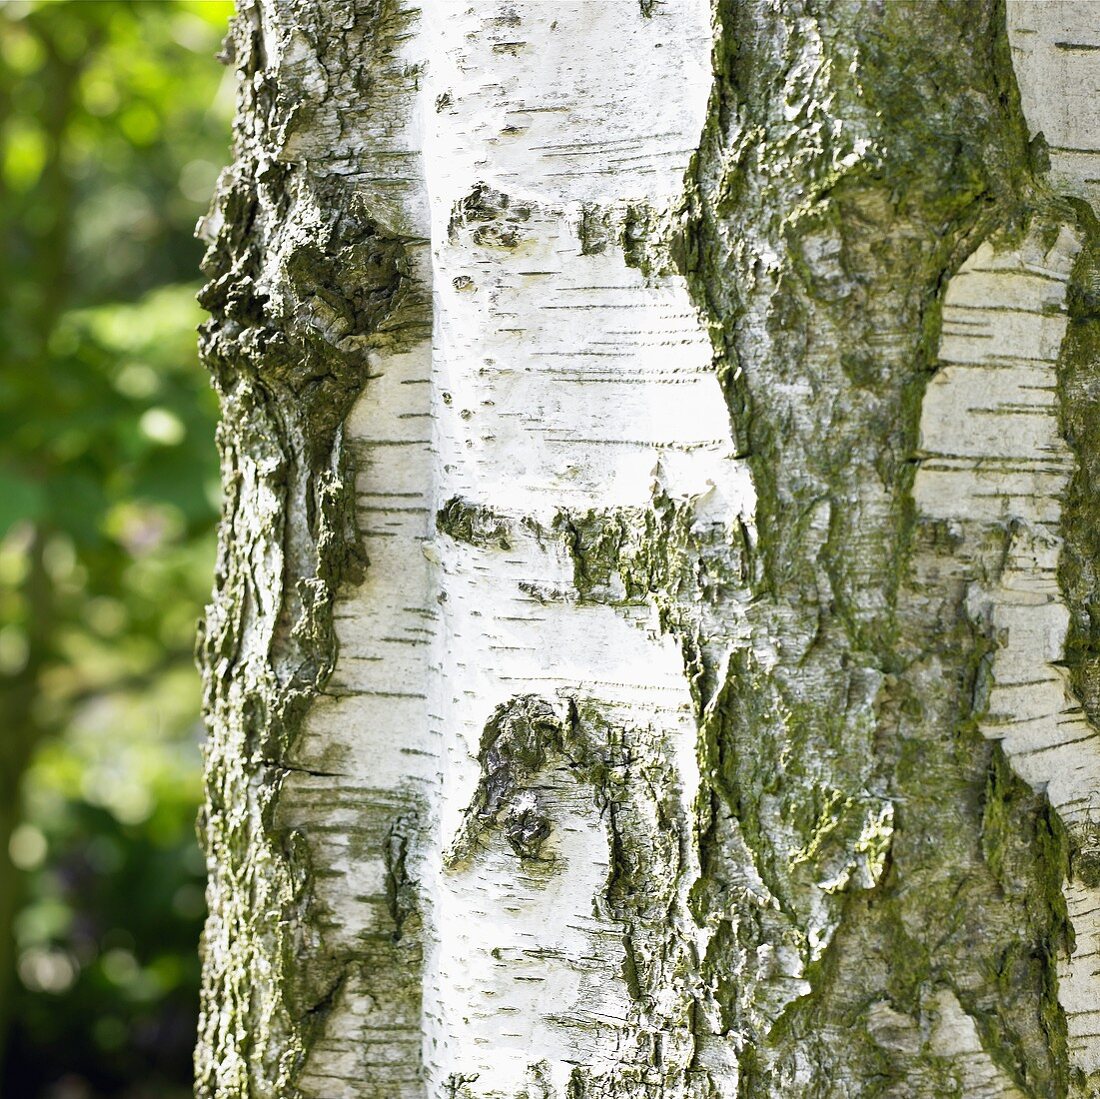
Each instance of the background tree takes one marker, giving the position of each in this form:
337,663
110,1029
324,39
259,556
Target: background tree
110,133
653,649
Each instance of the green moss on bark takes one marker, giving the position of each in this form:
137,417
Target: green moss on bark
303,283
1079,571
853,156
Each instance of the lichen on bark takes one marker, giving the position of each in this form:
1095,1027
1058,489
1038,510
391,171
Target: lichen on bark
303,283
854,155
1079,390
824,877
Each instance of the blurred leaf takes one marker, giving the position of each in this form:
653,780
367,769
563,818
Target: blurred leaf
20,498
24,154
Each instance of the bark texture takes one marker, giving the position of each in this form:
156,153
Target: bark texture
306,283
653,649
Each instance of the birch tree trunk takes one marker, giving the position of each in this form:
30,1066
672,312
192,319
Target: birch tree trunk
655,647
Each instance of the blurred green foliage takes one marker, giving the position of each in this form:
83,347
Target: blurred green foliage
114,118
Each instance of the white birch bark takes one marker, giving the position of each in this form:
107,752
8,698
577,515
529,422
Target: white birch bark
715,714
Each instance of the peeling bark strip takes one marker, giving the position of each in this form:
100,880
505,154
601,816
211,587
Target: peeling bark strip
716,712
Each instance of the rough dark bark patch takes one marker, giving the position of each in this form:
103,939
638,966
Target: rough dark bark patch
867,208
1079,387
303,283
